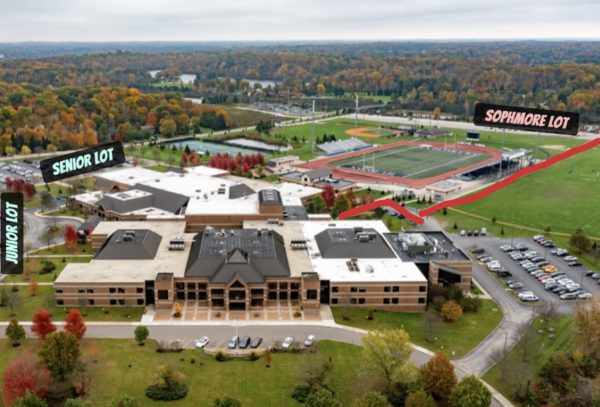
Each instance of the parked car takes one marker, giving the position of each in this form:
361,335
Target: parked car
521,247
463,232
310,341
568,296
596,276
287,342
483,232
245,342
478,250
584,296
574,264
506,274
517,285
233,342
256,342
202,342
570,258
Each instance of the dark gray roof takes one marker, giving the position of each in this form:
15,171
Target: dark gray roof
318,173
269,197
104,184
90,223
295,212
130,244
347,243
165,200
438,246
240,191
249,255
114,204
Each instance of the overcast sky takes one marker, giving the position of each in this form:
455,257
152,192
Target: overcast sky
201,20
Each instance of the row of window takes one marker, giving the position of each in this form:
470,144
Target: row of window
393,300
111,290
387,289
91,301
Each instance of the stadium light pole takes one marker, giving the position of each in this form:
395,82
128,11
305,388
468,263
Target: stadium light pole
312,128
356,111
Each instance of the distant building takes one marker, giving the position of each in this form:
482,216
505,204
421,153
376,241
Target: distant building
430,133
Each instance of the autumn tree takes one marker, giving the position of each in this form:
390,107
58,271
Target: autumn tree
419,398
587,329
437,113
29,400
451,311
60,354
15,332
70,237
75,324
33,287
470,392
438,376
387,355
42,325
328,195
24,374
168,127
372,399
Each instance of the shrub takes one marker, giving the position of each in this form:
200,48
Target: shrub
221,356
451,311
124,401
47,267
301,392
297,314
470,392
470,304
141,334
170,385
227,402
253,356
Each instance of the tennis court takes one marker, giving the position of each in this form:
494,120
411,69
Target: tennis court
411,161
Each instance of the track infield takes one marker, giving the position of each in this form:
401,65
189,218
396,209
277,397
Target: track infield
409,163
370,132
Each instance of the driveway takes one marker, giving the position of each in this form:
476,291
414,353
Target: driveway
35,226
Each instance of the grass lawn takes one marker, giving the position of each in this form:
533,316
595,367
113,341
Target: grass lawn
249,382
377,194
44,298
541,347
159,167
55,190
454,339
49,277
62,249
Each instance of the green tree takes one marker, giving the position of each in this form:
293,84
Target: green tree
125,401
372,399
29,400
15,332
387,355
341,204
419,398
470,392
226,402
78,403
168,127
438,376
580,241
60,354
141,334
322,398
316,205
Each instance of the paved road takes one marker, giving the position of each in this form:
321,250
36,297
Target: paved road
35,225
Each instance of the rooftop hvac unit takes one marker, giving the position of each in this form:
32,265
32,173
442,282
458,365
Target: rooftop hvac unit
369,269
363,237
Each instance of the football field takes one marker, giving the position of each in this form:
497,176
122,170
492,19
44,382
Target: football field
410,161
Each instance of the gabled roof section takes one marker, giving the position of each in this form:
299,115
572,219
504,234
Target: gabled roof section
348,243
164,200
240,191
130,244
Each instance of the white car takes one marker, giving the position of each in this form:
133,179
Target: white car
310,341
202,342
287,342
463,233
483,232
584,296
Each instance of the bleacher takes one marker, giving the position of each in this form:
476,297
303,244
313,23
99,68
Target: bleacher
342,146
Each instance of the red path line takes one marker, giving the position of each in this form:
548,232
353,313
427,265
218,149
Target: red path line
476,196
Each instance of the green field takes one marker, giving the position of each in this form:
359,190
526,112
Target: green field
412,162
250,382
454,339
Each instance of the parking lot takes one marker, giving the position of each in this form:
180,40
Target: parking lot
508,270
27,171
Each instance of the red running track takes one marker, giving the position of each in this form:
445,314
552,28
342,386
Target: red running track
366,176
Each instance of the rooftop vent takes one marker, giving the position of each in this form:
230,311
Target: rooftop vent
177,243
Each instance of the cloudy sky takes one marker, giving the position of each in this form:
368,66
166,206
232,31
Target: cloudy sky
202,20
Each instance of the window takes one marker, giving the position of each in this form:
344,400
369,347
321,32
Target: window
58,291
386,300
362,289
353,289
191,286
272,286
112,290
201,286
294,295
312,294
217,292
139,290
395,288
121,290
361,300
387,289
180,295
422,288
81,290
121,302
421,300
295,286
283,295
272,295
91,302
202,295
162,295
140,301
90,291
192,295
60,302
353,301
394,300
335,289
113,302
179,286
283,286
334,301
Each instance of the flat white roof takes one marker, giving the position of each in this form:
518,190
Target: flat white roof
212,203
187,184
132,271
90,198
132,175
129,194
208,171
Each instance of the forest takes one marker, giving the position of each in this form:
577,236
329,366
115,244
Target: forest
452,76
